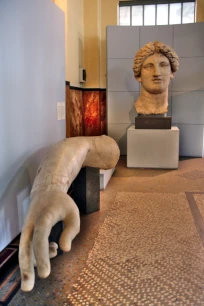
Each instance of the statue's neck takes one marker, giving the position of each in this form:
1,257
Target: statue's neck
149,103
154,98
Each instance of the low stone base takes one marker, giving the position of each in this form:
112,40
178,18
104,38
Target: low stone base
86,190
148,148
153,122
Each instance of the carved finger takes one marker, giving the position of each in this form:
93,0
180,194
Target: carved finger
26,259
61,208
41,249
71,229
52,252
53,249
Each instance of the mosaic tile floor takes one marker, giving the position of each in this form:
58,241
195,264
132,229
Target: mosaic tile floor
161,263
66,268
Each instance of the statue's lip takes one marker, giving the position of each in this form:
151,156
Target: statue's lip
157,80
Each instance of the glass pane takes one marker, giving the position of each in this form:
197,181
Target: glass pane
188,12
149,14
162,14
137,15
175,13
124,15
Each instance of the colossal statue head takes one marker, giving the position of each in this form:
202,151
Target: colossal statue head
154,66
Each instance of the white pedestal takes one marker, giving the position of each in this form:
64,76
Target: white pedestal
105,176
147,148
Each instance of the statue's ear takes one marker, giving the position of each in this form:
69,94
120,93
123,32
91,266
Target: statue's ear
172,75
138,78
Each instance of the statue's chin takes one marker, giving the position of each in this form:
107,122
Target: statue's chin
156,91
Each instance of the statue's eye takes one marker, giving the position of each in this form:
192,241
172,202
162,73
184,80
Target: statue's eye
148,66
164,64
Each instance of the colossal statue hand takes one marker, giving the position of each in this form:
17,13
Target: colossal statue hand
50,202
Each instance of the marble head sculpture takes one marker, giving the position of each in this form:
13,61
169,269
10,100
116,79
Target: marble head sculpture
154,66
50,202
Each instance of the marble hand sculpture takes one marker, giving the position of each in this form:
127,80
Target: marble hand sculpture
50,202
154,66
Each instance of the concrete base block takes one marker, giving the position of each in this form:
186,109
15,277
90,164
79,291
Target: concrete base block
86,190
148,148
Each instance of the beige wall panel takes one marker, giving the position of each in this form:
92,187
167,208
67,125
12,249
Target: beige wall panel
74,38
75,41
199,10
108,16
91,43
62,4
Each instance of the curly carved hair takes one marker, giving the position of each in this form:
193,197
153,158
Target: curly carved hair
150,49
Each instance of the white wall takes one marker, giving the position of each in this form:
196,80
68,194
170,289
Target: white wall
32,81
186,92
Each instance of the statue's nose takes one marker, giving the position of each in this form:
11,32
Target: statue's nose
157,70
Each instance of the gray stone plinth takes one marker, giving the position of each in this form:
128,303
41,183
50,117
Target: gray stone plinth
153,122
153,148
86,190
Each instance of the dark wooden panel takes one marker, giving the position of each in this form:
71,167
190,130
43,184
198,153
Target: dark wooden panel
92,122
103,110
86,111
68,123
76,113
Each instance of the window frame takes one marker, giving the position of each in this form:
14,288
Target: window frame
154,2
146,2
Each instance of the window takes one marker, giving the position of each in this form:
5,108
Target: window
156,12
